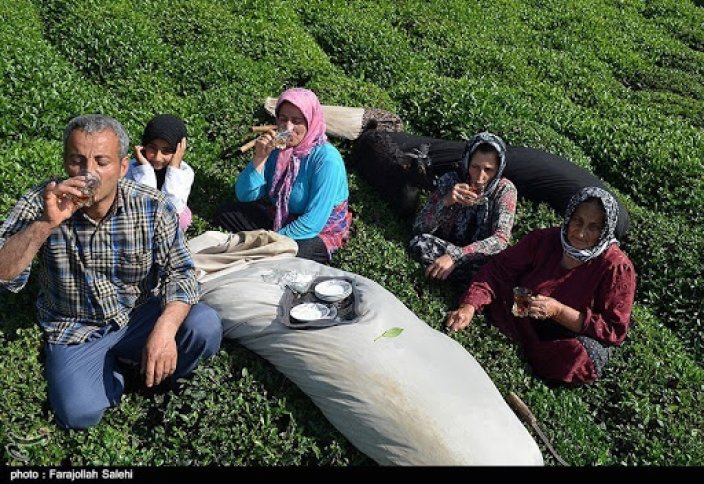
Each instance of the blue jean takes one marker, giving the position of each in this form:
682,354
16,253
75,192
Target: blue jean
83,379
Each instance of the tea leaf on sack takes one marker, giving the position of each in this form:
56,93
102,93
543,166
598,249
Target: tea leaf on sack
390,333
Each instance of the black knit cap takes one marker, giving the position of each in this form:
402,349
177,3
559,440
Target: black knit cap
167,127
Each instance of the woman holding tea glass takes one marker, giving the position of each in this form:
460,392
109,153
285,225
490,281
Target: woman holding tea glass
296,184
581,288
470,215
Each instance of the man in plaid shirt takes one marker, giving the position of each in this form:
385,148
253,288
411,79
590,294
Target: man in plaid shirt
116,278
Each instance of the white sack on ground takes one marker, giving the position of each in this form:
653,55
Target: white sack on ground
416,399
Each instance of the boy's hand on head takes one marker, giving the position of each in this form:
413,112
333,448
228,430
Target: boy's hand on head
139,154
178,154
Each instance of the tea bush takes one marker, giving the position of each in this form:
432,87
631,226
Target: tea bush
39,90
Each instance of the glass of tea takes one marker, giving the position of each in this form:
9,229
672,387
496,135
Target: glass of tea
87,197
281,139
479,190
522,296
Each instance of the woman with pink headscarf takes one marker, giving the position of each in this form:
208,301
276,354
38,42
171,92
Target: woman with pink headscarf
299,190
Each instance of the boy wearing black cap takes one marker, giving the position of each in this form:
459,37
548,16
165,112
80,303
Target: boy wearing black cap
159,163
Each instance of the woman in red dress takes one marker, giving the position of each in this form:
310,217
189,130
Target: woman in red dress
583,288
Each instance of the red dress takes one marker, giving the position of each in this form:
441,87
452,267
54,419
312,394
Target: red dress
602,288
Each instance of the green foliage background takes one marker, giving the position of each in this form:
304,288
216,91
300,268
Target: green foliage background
617,86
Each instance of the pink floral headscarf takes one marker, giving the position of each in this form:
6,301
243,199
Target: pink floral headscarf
289,159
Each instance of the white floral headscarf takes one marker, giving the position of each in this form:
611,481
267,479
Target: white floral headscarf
606,238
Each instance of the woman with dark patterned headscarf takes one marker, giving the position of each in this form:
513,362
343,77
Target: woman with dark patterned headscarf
583,288
470,215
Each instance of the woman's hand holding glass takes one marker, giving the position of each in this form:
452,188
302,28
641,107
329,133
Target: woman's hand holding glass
267,142
263,147
544,307
463,194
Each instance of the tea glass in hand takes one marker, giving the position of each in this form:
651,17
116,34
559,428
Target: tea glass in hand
88,191
479,188
522,297
281,139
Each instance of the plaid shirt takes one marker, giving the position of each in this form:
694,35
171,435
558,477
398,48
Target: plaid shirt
93,274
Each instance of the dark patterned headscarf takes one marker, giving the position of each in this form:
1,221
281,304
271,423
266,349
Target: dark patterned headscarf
610,206
472,144
479,214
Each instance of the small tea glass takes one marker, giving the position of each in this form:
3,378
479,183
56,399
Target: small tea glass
281,139
479,188
522,297
88,190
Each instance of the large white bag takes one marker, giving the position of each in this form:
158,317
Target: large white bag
415,399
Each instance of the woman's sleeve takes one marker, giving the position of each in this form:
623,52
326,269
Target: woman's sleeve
502,224
607,320
177,185
328,175
252,185
505,268
143,174
434,213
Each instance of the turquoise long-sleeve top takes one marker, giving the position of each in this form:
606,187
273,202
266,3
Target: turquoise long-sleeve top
320,186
